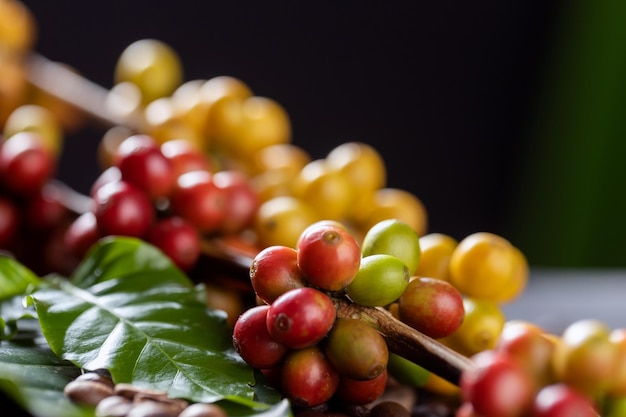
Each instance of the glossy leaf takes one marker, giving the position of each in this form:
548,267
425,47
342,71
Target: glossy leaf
129,310
15,278
13,311
34,378
15,281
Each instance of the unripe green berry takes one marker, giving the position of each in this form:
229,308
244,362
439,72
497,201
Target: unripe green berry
396,238
381,280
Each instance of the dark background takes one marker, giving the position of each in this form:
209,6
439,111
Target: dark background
444,90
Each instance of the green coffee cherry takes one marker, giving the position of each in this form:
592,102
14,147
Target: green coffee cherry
381,280
396,238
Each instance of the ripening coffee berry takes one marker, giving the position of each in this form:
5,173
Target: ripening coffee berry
274,271
308,378
122,209
432,306
356,349
301,317
328,255
253,342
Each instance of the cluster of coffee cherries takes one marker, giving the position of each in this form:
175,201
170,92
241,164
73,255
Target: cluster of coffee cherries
32,204
533,373
166,194
294,335
519,369
252,134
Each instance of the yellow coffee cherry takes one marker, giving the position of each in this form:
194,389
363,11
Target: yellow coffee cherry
481,327
35,118
164,124
282,156
219,106
18,28
436,249
264,122
486,265
328,191
361,163
151,65
394,203
281,220
586,358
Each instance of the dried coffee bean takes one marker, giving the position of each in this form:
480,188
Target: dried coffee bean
87,392
113,406
153,409
96,377
130,391
389,409
203,410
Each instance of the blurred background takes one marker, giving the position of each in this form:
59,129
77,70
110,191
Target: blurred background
505,117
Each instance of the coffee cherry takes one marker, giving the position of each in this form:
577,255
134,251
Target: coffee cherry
281,221
432,306
361,163
26,163
128,145
18,27
308,378
394,203
261,122
178,239
274,271
9,222
436,250
481,327
497,386
184,156
328,191
198,200
37,119
356,349
280,157
561,400
381,279
484,264
396,238
617,387
151,65
353,391
585,358
241,200
328,256
81,234
529,345
148,169
300,317
122,209
45,209
253,342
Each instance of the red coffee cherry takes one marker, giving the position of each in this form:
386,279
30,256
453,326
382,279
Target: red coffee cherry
328,255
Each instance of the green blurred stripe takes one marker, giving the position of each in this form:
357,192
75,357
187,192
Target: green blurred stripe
571,203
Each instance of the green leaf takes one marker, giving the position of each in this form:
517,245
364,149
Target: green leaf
34,378
115,257
12,311
15,278
130,311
